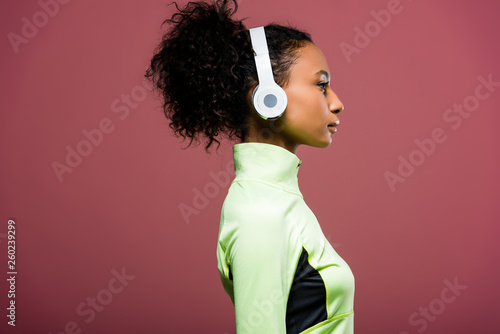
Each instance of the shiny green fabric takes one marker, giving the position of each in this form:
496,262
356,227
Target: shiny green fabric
264,225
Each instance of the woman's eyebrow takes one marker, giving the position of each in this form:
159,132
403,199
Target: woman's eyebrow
325,73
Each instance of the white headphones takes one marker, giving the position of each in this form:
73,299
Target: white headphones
268,98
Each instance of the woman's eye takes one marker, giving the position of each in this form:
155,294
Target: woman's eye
323,86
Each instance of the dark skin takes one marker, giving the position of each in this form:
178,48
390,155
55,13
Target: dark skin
310,117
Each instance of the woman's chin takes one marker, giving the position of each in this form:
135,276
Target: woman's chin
323,143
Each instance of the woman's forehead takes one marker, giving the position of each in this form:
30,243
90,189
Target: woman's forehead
311,62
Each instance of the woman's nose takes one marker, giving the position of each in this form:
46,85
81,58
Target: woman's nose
335,105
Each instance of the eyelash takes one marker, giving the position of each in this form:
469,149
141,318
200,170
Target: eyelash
323,86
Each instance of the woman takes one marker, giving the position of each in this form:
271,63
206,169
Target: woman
275,263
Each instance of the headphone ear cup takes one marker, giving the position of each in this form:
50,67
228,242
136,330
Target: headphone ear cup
269,101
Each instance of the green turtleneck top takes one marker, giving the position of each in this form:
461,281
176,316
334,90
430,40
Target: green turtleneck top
280,271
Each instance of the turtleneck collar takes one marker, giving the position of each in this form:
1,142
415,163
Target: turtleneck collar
267,163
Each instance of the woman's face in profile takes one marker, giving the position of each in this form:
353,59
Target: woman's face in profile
311,114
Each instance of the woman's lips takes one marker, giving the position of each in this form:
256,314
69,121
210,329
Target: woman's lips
332,126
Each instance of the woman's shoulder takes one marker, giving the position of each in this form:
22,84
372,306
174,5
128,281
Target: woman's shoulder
251,194
257,205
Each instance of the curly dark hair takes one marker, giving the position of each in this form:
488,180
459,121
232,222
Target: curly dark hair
204,68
